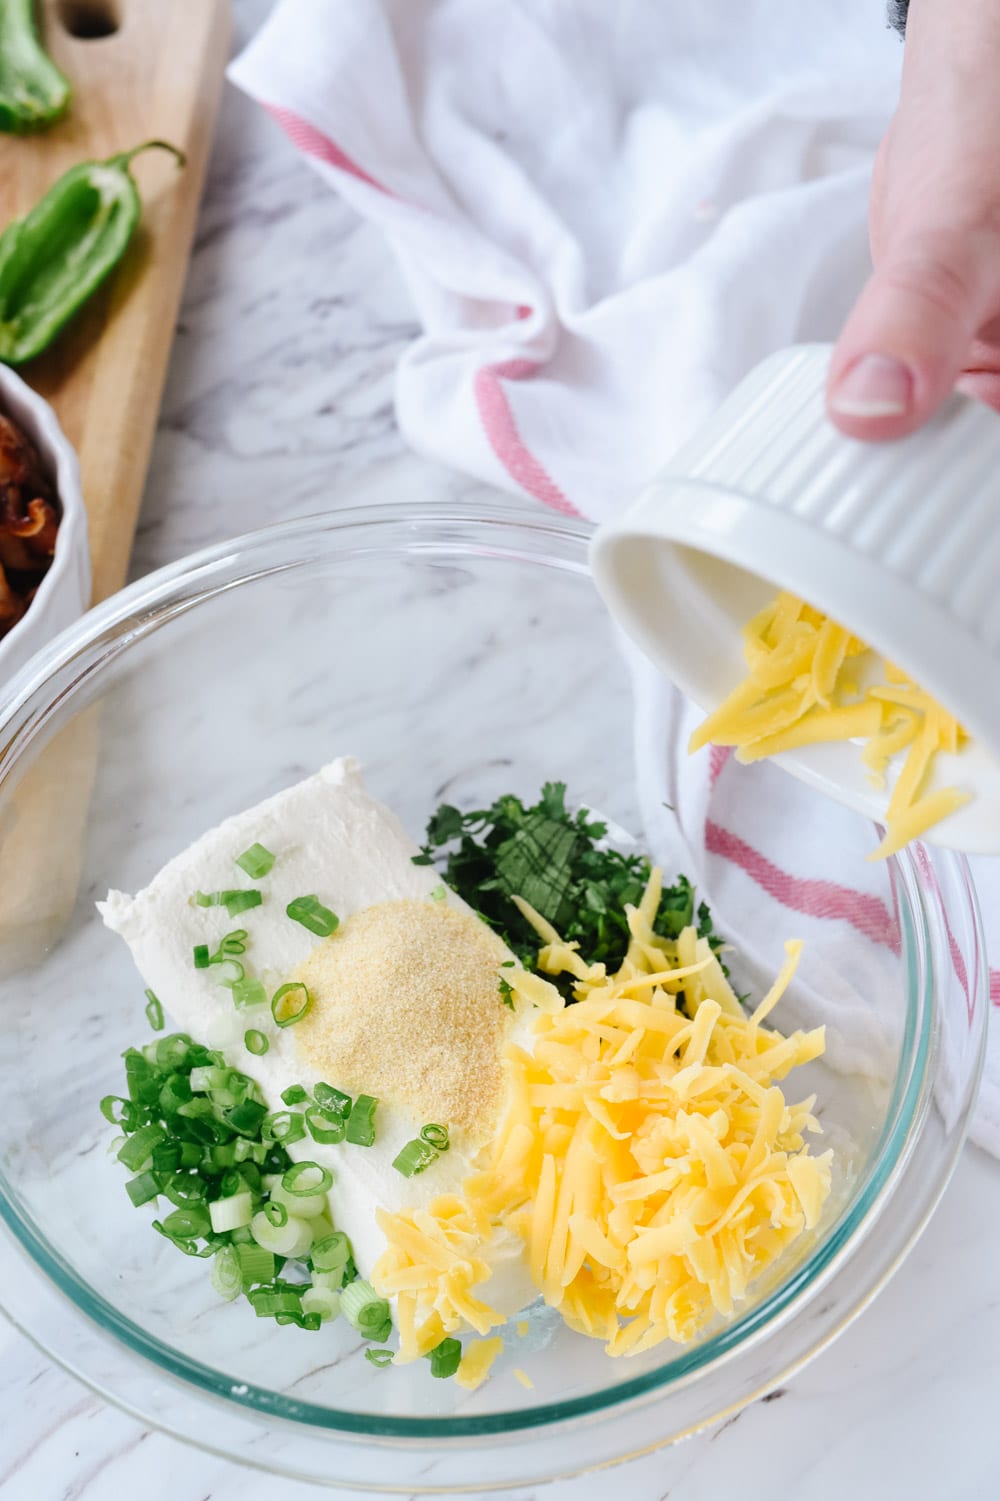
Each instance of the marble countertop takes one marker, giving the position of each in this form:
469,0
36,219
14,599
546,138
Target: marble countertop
279,402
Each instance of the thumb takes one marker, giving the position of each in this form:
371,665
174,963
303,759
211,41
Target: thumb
910,334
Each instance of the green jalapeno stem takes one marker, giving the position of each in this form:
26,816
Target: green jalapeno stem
33,92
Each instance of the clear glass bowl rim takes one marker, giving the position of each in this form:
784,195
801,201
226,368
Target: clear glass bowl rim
79,653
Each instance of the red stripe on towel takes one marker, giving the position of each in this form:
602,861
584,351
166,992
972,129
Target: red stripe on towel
503,436
312,142
868,914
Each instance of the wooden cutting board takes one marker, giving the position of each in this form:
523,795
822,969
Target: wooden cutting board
140,69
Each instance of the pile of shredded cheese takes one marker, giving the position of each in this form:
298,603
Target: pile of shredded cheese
800,691
648,1158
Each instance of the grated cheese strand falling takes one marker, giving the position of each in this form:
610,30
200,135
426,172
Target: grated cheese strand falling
648,1159
799,691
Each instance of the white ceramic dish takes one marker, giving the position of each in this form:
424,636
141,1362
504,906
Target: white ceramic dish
64,592
898,541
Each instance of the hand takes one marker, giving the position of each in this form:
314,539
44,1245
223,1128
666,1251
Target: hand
930,315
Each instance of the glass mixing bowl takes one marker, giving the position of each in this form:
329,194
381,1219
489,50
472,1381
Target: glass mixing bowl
458,655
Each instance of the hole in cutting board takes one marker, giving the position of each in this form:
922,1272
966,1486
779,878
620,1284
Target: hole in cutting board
89,19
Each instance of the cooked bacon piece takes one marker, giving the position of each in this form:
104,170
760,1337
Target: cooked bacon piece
29,523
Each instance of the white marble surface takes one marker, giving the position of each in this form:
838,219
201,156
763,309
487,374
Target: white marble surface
280,402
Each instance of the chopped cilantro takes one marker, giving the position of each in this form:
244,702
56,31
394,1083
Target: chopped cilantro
555,860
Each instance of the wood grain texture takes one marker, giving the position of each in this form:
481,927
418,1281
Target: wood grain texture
157,74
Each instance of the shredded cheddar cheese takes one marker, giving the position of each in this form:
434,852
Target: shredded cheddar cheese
799,691
648,1159
475,1364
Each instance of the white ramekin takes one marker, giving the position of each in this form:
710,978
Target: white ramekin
898,541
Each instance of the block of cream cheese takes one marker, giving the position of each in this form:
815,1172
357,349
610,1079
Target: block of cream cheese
423,1054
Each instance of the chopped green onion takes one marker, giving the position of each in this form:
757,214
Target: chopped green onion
438,894
310,912
255,1042
256,861
256,1263
201,959
176,1092
249,993
183,1188
445,1358
247,1117
138,1150
334,1100
323,1126
277,1214
166,1157
184,1224
206,898
227,1278
231,945
361,1121
142,1188
436,1137
291,1239
231,1183
267,1302
332,1253
290,1003
154,1012
333,1280
236,902
414,1158
231,1213
207,1077
111,1112
230,972
294,1094
308,1206
284,1126
173,1052
306,1179
379,1357
363,1309
321,1300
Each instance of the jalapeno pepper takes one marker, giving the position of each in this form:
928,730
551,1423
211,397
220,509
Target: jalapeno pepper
33,92
52,260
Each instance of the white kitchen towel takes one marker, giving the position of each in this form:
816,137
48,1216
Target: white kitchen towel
607,213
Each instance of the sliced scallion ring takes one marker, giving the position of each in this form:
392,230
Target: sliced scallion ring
248,992
238,901
228,972
256,861
361,1121
331,1253
306,1180
310,912
414,1157
325,1127
436,1137
154,1012
255,1042
290,1003
276,1213
379,1357
284,1126
227,1276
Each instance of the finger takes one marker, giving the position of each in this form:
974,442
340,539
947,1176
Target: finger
984,385
909,336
